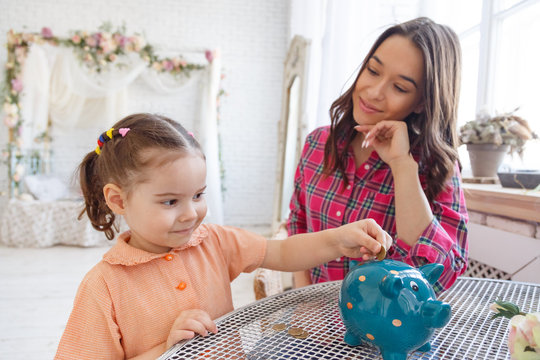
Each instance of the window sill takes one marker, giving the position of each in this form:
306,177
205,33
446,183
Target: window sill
494,199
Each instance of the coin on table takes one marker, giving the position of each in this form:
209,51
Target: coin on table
303,335
279,327
382,254
295,331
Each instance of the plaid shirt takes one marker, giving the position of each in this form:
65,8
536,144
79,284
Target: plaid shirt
321,202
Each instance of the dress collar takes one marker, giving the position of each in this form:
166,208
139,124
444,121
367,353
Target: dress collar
124,254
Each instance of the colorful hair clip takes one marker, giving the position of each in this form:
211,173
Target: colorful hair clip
191,134
123,131
102,140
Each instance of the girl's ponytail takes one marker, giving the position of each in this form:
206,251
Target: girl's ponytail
101,217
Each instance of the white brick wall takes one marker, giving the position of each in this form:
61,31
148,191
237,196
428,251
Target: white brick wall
252,36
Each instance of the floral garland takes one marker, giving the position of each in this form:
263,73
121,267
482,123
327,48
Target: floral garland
97,51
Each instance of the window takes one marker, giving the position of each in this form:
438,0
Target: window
499,40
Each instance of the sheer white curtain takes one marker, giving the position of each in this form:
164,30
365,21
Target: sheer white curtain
58,87
341,34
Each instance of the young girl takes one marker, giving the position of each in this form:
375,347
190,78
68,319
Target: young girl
390,154
169,276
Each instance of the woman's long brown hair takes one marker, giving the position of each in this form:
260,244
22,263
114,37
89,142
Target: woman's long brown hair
432,133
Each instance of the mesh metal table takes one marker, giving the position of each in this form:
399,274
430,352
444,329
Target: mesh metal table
248,332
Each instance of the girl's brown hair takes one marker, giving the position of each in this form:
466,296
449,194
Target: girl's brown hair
432,133
121,161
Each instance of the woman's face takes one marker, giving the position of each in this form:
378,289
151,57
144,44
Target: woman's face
391,85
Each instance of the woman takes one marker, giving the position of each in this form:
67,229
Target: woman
390,153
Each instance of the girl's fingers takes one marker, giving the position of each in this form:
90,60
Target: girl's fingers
204,319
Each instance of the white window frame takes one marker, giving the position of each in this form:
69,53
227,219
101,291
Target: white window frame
489,32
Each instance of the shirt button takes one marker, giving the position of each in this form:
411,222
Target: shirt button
366,167
349,187
168,257
338,213
181,286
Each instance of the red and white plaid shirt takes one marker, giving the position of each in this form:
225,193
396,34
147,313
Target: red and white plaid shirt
321,202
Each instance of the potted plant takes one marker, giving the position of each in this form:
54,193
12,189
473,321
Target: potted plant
489,138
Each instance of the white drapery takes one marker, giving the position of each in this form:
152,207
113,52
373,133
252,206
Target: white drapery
59,88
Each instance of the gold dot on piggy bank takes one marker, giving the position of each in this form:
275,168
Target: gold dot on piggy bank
349,306
362,278
396,322
370,337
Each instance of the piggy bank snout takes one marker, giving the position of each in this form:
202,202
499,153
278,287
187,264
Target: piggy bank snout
436,314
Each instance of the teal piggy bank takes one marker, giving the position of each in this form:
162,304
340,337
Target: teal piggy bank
393,306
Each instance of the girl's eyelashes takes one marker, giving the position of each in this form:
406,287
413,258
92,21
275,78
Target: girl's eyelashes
169,202
198,196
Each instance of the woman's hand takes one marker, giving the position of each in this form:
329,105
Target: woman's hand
389,139
189,323
362,238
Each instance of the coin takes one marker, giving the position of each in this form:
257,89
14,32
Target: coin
382,254
279,327
295,331
303,335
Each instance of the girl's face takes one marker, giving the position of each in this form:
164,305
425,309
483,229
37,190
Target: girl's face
163,211
391,85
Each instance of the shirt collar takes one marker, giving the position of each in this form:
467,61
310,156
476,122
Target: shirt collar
124,254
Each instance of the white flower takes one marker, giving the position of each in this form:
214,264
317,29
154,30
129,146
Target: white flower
524,337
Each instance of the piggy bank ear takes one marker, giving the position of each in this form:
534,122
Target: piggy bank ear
391,285
432,272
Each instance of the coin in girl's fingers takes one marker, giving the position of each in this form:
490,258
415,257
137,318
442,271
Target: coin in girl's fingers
382,254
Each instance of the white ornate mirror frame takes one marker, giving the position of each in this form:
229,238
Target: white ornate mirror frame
292,126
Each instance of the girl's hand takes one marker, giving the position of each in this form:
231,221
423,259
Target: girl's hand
189,323
389,139
363,238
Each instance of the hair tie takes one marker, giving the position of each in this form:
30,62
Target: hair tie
106,136
191,134
123,131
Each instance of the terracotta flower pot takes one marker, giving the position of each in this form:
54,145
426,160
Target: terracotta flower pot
486,158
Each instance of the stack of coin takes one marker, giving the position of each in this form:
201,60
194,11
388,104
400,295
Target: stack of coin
279,327
295,332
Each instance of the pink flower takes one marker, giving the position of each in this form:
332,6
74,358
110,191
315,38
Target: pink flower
209,56
20,53
76,39
10,121
91,41
168,65
16,85
46,33
524,337
120,39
